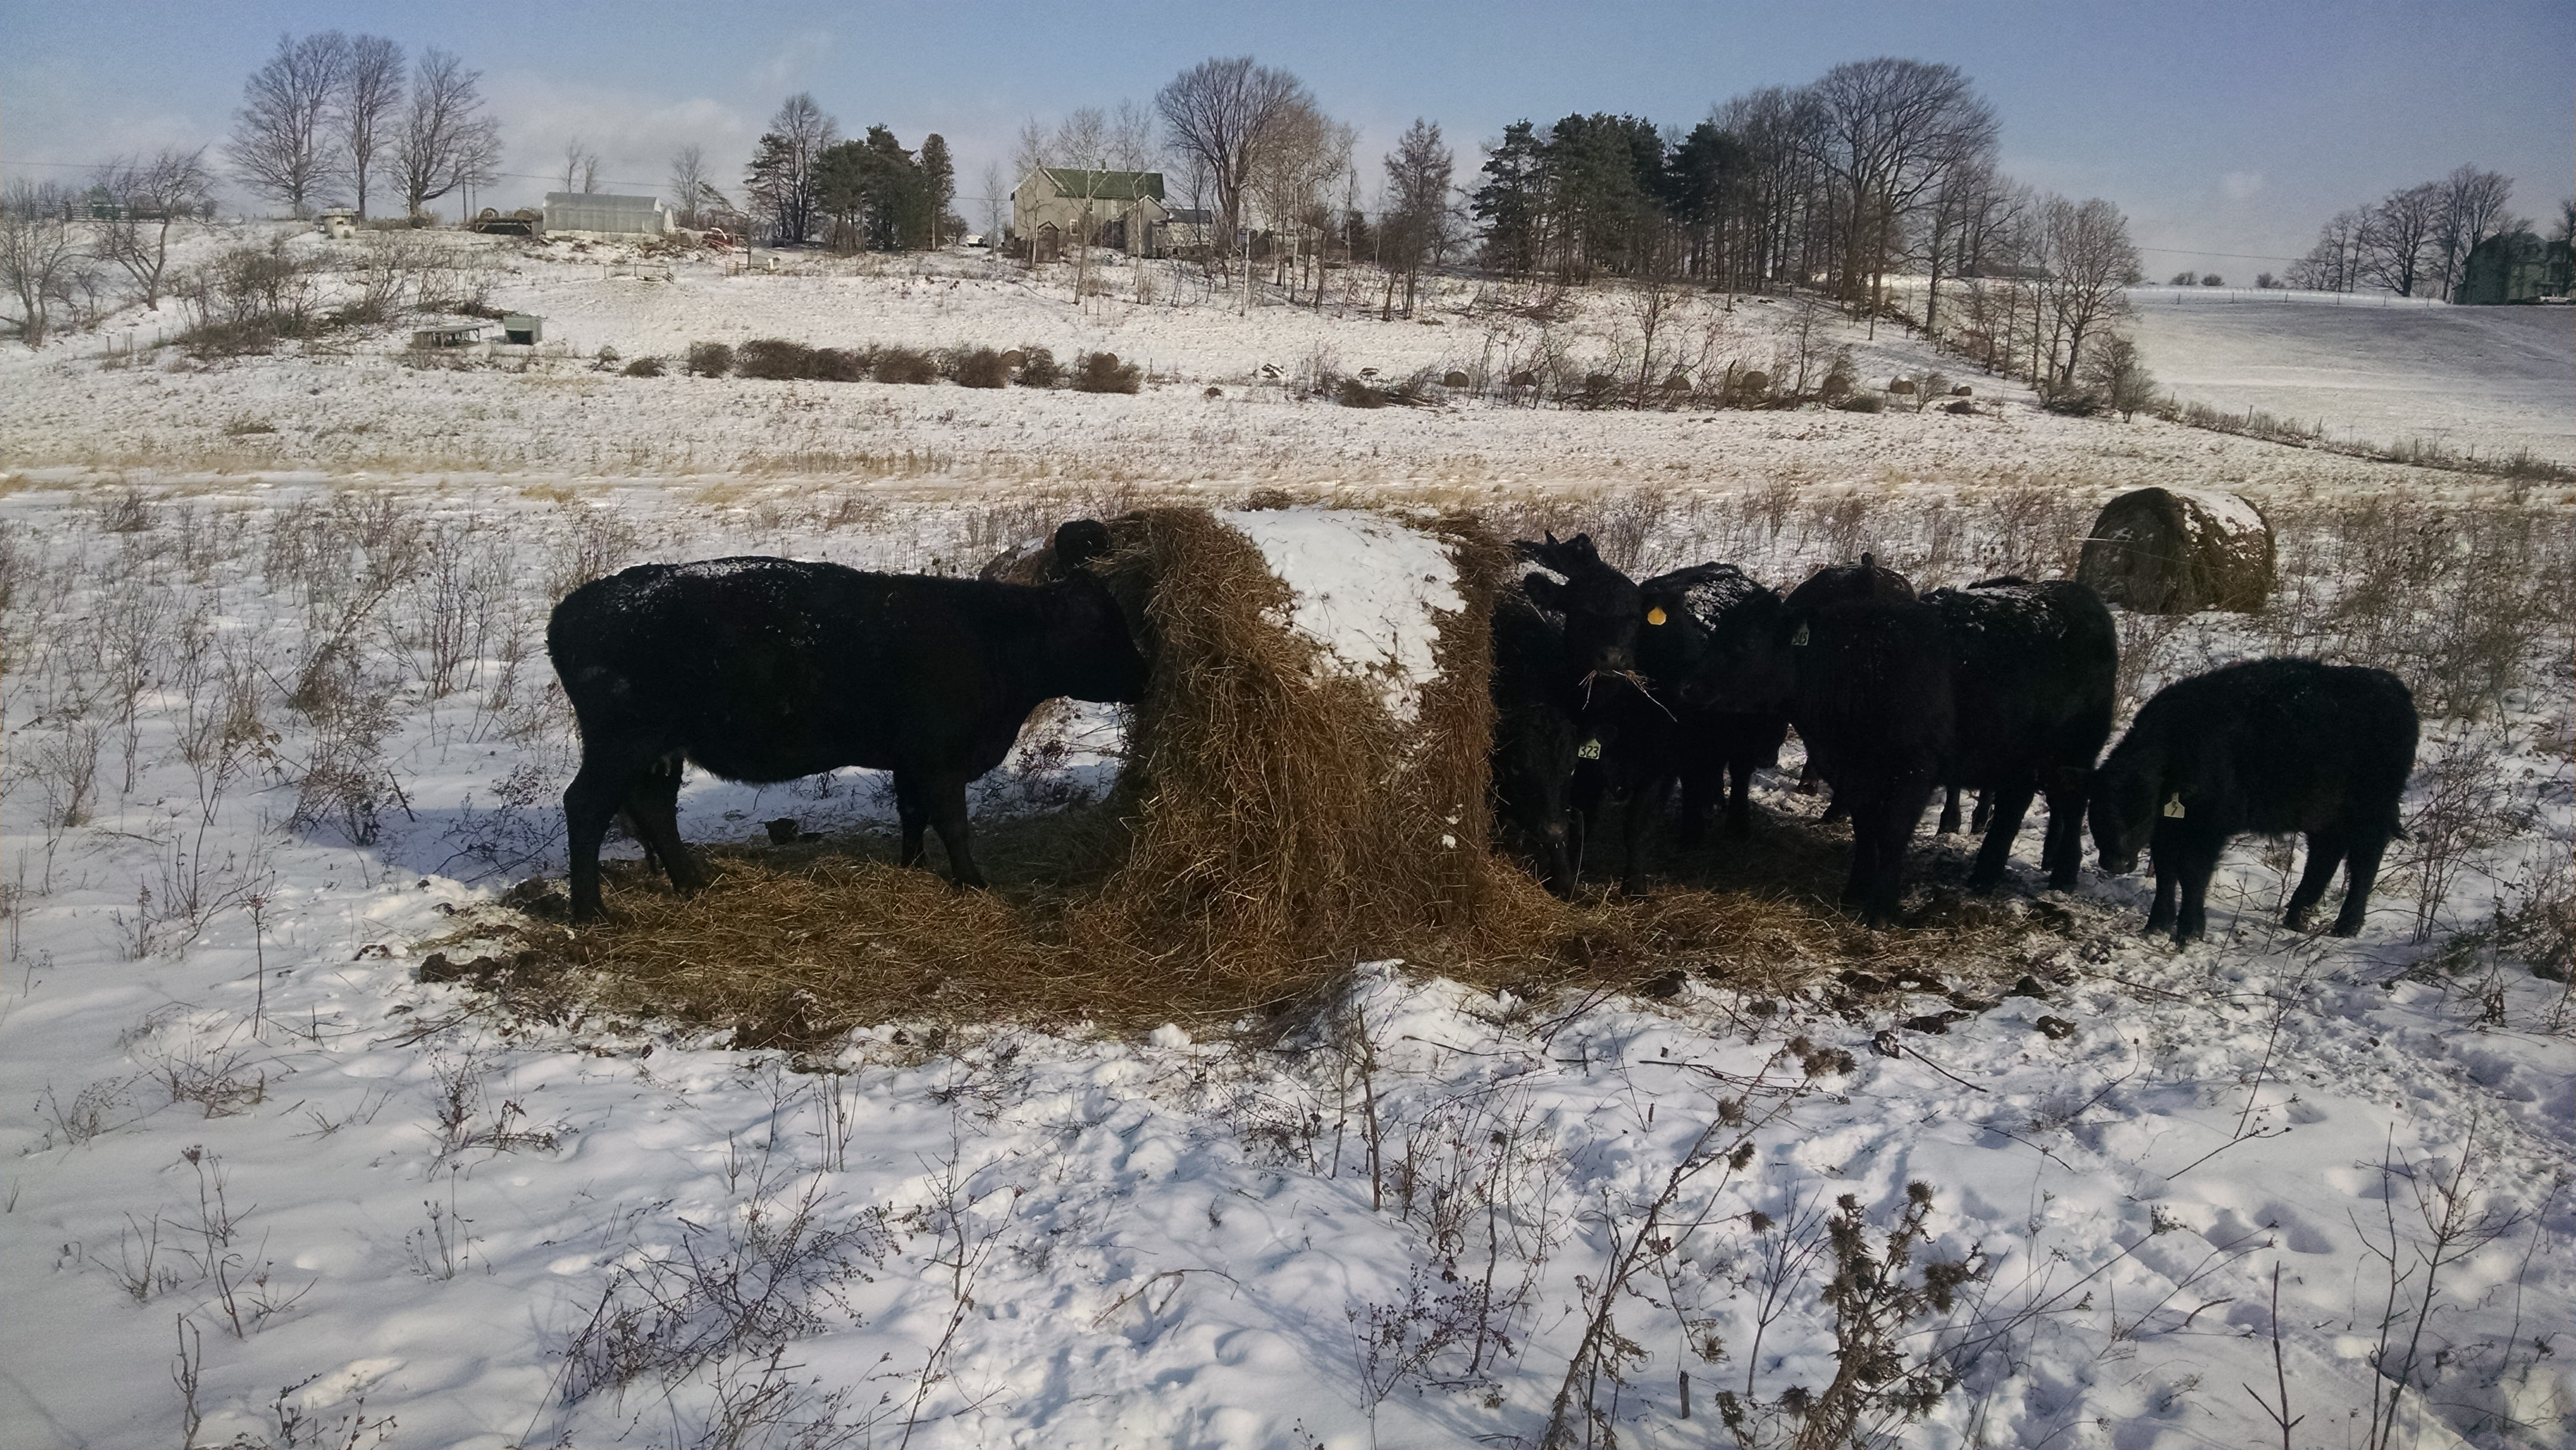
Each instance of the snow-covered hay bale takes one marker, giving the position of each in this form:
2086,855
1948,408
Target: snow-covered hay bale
1308,768
2178,551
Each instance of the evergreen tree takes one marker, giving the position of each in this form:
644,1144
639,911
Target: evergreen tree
1509,203
938,184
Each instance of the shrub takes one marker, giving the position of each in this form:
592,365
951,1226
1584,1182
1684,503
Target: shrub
978,367
710,359
1862,403
1356,394
1102,372
903,365
841,365
644,367
1039,369
775,359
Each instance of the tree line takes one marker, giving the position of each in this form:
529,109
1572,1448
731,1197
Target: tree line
2415,241
806,183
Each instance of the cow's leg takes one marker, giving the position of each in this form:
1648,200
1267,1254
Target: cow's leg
912,815
1739,798
2193,919
1949,825
2326,851
2062,857
2360,874
2008,804
653,808
598,789
947,801
2160,917
1645,803
1696,804
1903,810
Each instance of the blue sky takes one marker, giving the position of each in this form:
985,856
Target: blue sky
2219,128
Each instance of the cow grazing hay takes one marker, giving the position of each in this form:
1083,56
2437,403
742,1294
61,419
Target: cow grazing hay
1285,811
2178,551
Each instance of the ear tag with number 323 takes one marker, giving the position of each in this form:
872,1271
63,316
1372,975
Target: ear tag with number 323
1588,750
2173,808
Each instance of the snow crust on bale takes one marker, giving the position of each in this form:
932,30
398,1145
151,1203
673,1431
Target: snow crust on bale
2178,551
1370,592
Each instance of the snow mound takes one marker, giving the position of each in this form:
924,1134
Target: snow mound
1370,592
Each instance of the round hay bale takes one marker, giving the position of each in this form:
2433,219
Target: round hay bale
1525,379
1678,382
1453,379
1013,359
1307,771
1961,391
1901,386
2178,551
1757,381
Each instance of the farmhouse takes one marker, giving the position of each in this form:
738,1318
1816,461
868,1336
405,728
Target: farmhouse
1057,206
599,214
2512,267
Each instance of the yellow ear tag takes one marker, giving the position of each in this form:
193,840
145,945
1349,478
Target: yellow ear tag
1800,638
1588,750
1654,616
2173,808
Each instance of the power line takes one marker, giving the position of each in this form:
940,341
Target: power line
2195,252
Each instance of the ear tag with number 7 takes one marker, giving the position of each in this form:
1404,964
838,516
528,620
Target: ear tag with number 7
2173,808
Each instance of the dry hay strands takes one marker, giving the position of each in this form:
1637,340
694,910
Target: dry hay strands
795,956
1284,822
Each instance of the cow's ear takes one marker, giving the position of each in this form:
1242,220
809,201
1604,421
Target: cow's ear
1580,549
1544,592
1079,542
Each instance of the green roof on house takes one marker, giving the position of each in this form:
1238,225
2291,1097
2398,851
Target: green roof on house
1106,185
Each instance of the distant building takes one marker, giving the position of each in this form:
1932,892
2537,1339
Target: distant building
1190,232
599,214
1056,207
2511,267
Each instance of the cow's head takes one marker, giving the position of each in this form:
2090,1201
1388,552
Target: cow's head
1600,605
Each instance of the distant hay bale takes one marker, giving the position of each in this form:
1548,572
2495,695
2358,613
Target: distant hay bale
2178,551
1524,379
1755,381
1453,379
1902,387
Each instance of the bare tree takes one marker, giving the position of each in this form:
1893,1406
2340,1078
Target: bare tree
1130,142
2401,231
2090,262
369,101
38,257
2334,263
580,167
446,141
2473,209
1890,131
691,192
280,146
997,199
785,172
150,196
1227,113
1294,175
1419,175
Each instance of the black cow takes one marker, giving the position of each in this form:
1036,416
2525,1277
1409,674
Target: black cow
765,670
1558,649
2032,680
1711,744
2270,746
1995,686
1834,584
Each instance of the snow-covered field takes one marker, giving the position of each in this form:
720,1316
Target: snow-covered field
278,721
2370,369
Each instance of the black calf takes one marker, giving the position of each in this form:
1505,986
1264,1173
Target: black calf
2269,746
2032,677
